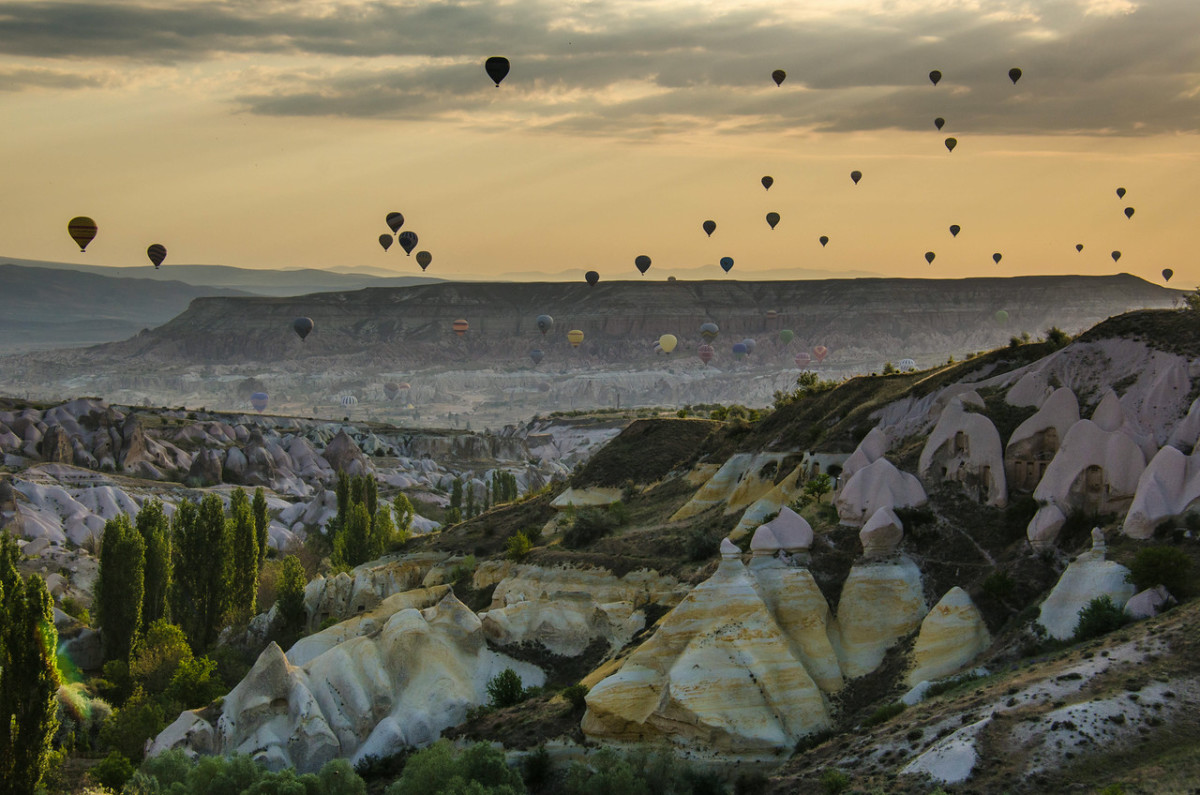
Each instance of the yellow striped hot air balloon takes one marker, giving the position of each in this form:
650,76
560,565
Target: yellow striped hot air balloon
81,229
575,337
461,326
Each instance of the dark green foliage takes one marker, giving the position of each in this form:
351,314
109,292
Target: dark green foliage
1166,566
262,521
639,773
505,689
998,585
243,556
1057,338
456,494
536,768
808,384
440,770
504,487
576,696
128,728
517,546
954,683
363,530
200,591
834,781
592,524
817,487
402,516
1100,617
112,771
28,675
172,772
292,580
155,531
351,546
195,684
342,490
156,656
884,713
120,587
701,542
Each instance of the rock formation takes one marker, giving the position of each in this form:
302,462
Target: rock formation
882,534
877,485
1088,577
881,602
1167,488
965,448
1036,440
951,636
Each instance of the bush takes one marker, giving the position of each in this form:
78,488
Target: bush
576,696
998,585
885,713
75,609
834,781
517,546
536,768
590,525
173,772
1166,566
701,543
440,769
1100,617
112,771
505,689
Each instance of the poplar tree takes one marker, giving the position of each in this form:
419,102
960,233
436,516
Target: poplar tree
262,521
243,555
291,594
120,587
155,531
201,587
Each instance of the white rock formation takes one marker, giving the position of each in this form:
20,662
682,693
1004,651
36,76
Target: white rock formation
773,501
1045,526
869,450
1088,577
965,448
792,530
877,485
880,603
1036,440
882,534
586,498
740,481
1169,487
1149,602
951,636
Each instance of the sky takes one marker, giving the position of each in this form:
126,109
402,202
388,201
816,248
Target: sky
279,134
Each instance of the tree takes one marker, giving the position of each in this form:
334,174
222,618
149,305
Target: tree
262,522
291,594
155,530
402,515
456,494
157,655
351,547
120,587
201,592
383,534
505,689
29,678
1191,301
817,487
243,557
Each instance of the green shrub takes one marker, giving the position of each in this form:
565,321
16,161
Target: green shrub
440,769
1099,617
75,609
517,546
1166,566
590,525
885,713
701,543
834,781
576,696
505,689
998,585
536,768
112,771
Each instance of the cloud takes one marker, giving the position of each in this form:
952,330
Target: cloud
1099,67
24,79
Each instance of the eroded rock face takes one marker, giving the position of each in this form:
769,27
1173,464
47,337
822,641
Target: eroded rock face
1168,488
1088,577
965,448
880,603
344,455
1036,440
951,636
877,485
882,534
740,481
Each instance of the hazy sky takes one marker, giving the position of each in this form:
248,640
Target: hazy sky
278,133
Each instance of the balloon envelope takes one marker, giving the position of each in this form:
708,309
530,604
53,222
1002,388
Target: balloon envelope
786,336
349,400
709,331
544,323
803,359
394,221
591,277
939,122
855,176
772,219
951,143
935,76
424,258
750,344
820,352
1116,255
1120,193
1167,274
1001,316
779,76
824,239
709,227
82,230
1014,75
929,255
642,262
575,337
668,342
157,252
390,390
259,401
954,230
303,326
906,365
767,182
739,350
385,241
497,68
1128,212
408,241
537,354
997,257
461,327
1079,247
726,263
706,353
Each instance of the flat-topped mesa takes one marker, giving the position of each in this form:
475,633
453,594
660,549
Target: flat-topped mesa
882,534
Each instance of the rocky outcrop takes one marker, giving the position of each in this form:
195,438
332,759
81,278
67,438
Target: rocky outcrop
56,446
1149,603
344,455
593,497
205,469
881,602
349,593
1088,577
882,534
869,450
740,481
951,636
877,485
965,448
1036,440
1167,488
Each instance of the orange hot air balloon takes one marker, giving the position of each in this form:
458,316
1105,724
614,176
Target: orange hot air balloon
820,352
575,337
461,327
706,353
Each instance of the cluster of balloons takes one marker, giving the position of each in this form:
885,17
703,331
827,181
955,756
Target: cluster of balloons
83,229
407,239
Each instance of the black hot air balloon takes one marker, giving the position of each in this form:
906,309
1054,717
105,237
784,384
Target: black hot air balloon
1079,247
394,222
823,239
591,277
726,264
496,68
951,143
1167,274
1014,75
1120,193
157,252
855,176
939,122
1116,255
929,255
545,323
997,257
424,258
385,241
303,326
82,230
642,262
767,182
779,76
772,219
1128,212
709,227
537,354
935,76
954,230
407,241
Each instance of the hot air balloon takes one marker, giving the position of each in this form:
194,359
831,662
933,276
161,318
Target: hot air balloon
772,219
424,258
1001,316
855,176
929,255
906,365
739,350
1128,212
302,326
706,353
820,352
1014,75
772,314
668,342
727,263
951,143
939,122
1120,193
997,257
1116,255
767,182
779,76
592,278
82,230
750,344
802,359
408,241
575,337
385,241
1079,247
954,230
935,76
786,336
496,68
460,327
823,240
394,221
157,252
544,323
259,401
390,390
349,400
1167,274
537,354
642,262
709,227
709,331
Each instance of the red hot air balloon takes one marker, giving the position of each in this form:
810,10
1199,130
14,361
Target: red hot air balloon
803,359
820,352
706,353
